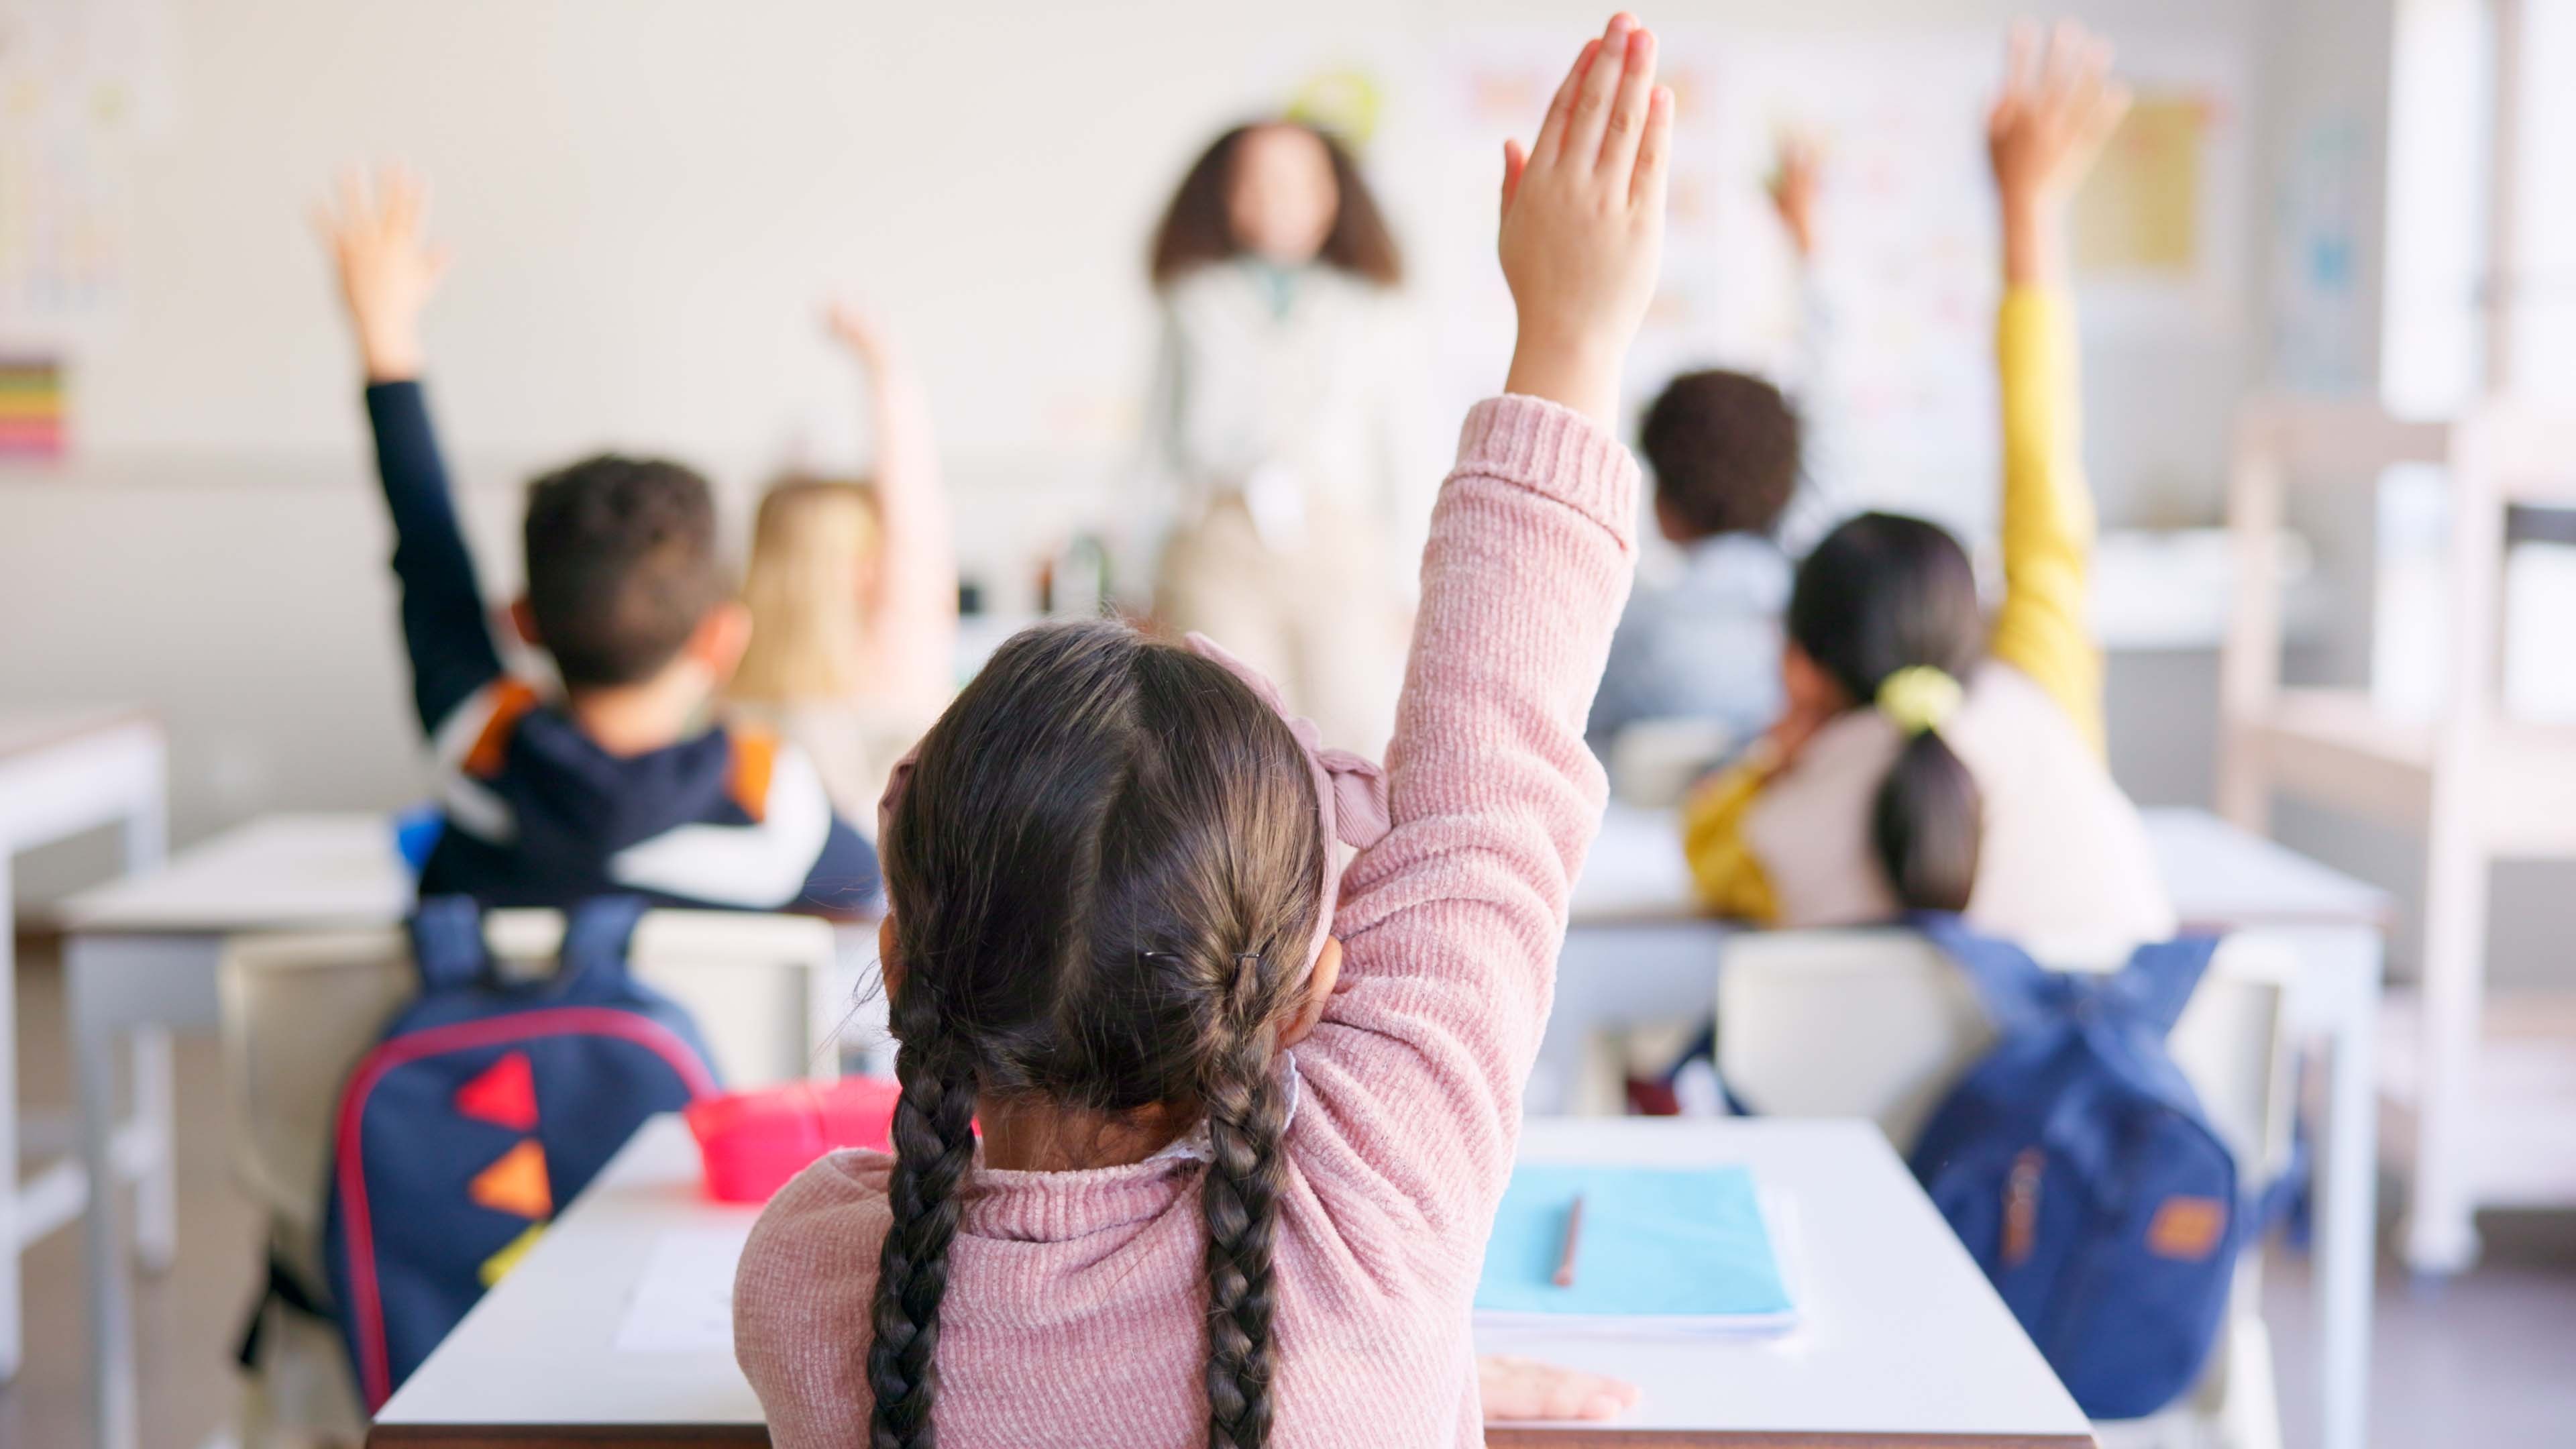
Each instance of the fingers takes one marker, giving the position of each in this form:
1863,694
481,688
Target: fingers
400,201
1654,155
2021,61
1515,160
1551,132
1590,116
1519,1388
1627,118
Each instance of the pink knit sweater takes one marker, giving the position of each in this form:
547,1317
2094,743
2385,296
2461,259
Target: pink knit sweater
1075,1311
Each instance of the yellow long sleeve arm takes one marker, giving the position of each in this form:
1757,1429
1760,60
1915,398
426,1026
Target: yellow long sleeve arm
2048,523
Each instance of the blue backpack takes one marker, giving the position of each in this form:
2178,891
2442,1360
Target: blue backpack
2077,1166
484,1107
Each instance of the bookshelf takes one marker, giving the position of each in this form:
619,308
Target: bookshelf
2478,1088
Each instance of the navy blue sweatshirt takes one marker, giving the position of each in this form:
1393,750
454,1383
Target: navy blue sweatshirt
537,813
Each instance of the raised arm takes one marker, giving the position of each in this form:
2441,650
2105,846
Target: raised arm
2055,111
387,274
1451,925
911,624
1818,382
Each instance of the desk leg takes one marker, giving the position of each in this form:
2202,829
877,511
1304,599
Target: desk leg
156,1185
2347,1227
12,1325
156,1192
110,1288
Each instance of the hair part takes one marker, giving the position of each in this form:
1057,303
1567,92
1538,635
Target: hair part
622,567
812,544
1102,876
1198,228
1882,593
1724,448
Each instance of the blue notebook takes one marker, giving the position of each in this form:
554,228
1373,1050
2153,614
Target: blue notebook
1659,1250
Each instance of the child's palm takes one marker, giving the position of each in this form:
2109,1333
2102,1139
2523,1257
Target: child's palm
1583,208
2057,108
388,269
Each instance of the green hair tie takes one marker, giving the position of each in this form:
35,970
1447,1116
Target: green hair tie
1918,698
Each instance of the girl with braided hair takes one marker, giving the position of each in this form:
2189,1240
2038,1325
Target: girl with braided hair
1244,1022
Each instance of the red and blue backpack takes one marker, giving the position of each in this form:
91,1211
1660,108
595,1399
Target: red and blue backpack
485,1106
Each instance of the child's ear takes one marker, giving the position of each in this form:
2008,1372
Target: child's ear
523,618
889,966
717,644
1319,992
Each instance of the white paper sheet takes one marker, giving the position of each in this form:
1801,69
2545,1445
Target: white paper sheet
683,1301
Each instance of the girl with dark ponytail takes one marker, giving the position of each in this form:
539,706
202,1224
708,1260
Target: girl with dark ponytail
1212,1039
1926,759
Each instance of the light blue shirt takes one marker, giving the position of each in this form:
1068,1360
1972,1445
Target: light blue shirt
1706,645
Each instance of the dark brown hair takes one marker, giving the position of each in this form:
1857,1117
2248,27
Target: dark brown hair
1882,593
1724,450
1102,875
1198,229
622,565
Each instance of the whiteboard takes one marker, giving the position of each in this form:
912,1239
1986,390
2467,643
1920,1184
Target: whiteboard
648,198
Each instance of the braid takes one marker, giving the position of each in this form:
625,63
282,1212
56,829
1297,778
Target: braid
1241,1202
934,1144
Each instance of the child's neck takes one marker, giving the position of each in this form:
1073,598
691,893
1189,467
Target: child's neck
1028,1135
636,719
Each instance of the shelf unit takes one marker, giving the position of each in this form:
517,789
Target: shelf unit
2481,1095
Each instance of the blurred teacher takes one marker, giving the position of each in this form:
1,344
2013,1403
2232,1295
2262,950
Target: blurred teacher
1282,515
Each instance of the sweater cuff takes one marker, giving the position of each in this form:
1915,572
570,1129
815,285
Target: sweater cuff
1557,452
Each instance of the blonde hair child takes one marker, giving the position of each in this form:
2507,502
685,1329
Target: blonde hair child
852,588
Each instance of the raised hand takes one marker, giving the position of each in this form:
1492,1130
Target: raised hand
1583,222
1795,179
387,267
2057,107
856,329
1520,1388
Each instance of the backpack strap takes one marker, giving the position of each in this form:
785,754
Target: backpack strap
2015,990
2158,981
597,933
447,943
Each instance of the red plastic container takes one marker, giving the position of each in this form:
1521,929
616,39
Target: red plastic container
752,1142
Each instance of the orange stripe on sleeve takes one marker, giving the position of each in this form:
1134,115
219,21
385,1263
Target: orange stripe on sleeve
755,758
511,700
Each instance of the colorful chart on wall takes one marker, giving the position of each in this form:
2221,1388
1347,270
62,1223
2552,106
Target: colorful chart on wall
84,86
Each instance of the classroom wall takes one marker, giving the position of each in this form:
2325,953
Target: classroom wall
647,200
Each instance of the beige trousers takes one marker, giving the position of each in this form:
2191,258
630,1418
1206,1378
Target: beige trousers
1322,620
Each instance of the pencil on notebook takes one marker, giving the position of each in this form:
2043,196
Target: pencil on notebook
1573,1236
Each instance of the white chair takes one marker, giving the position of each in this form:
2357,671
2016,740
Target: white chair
298,1010
1878,1024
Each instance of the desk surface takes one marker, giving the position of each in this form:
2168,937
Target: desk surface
27,729
2219,876
1901,1339
276,871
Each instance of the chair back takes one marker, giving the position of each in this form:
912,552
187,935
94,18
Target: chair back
1878,1024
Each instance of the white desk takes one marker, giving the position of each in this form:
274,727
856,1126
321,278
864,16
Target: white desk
62,772
1639,952
1901,1342
140,960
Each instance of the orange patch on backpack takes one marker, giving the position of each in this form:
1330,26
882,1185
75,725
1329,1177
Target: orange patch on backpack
516,1184
2187,1228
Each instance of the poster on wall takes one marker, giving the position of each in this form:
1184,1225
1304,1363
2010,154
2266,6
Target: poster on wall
1905,270
85,86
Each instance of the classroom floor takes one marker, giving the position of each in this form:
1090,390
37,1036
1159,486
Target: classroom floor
2480,1360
